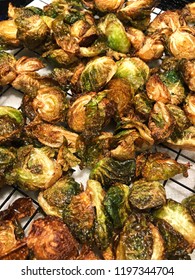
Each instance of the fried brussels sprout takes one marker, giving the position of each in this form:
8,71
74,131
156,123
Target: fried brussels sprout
122,94
189,203
159,166
175,244
137,13
134,70
188,13
91,152
7,68
50,239
8,34
30,82
90,113
97,74
161,122
116,204
181,119
51,135
71,10
146,195
177,215
189,107
7,159
139,240
79,216
112,28
54,199
187,68
12,237
11,123
136,37
49,104
66,158
31,31
181,43
142,105
142,136
166,87
152,48
165,22
102,223
109,6
185,141
36,168
60,58
109,171
84,31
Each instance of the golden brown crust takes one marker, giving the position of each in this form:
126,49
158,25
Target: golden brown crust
50,239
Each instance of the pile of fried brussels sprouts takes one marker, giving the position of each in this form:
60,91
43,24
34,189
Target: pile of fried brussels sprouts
120,84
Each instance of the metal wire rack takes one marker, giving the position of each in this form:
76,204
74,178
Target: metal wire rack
177,188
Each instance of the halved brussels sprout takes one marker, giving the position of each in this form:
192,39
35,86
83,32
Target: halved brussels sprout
54,199
146,195
28,64
136,37
8,34
168,20
85,31
181,43
109,171
152,48
122,94
29,83
66,158
167,87
189,203
186,140
181,119
189,107
50,104
134,70
36,168
188,12
112,28
79,216
117,205
7,68
139,240
143,141
31,31
12,236
97,74
187,68
7,159
102,224
91,152
177,215
174,242
108,6
11,123
90,113
161,122
51,135
60,58
143,105
137,13
159,166
157,90
50,239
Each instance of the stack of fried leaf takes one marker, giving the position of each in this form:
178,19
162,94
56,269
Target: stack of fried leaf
120,84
